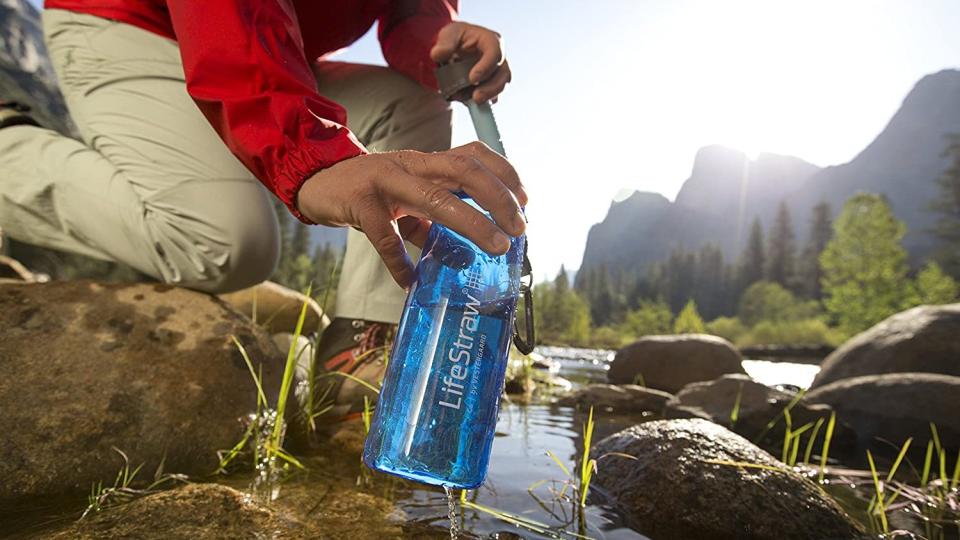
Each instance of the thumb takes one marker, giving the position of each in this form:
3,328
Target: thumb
382,232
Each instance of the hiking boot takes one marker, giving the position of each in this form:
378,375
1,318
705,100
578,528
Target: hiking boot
15,114
352,358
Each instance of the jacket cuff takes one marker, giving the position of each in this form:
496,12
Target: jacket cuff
307,159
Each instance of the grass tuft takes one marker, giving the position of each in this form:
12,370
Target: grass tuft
121,491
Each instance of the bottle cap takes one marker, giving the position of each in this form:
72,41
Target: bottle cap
454,77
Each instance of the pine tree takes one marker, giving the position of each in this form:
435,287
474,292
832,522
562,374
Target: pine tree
864,265
568,322
947,229
680,278
933,286
708,281
821,229
562,282
781,250
689,321
601,303
300,242
752,259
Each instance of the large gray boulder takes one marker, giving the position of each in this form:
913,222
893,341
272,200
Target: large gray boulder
757,406
627,398
922,339
889,409
146,368
671,491
671,362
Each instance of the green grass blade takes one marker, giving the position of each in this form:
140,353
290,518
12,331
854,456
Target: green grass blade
896,462
795,450
879,507
936,437
944,481
828,436
282,454
261,397
353,378
956,473
927,461
787,434
289,369
587,465
811,440
735,412
559,463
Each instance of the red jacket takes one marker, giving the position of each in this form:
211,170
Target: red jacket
246,66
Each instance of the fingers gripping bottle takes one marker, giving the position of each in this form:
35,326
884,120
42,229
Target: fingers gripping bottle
435,418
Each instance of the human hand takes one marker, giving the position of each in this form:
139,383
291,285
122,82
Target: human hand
491,73
396,195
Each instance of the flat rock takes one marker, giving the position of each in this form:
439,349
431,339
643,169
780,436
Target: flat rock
671,362
895,407
148,369
194,512
925,339
627,398
759,405
671,491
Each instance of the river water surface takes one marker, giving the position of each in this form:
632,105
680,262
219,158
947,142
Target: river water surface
525,433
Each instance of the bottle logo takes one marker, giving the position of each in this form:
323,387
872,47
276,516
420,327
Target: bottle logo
466,348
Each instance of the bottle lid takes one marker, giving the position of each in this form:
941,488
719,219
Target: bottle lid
454,77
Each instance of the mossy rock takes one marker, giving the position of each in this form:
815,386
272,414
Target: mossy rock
148,369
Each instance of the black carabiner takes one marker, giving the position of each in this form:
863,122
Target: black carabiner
525,344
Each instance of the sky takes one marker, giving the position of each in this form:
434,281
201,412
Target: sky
614,96
611,96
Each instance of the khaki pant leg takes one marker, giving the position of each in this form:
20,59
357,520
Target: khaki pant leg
151,184
387,111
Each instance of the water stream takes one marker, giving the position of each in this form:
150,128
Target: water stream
452,515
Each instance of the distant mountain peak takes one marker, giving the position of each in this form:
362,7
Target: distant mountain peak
722,176
726,189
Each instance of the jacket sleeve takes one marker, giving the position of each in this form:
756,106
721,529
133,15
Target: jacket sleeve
246,70
408,30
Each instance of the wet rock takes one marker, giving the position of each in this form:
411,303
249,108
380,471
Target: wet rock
278,308
520,386
149,369
790,352
671,491
196,512
627,398
671,362
923,339
888,409
759,404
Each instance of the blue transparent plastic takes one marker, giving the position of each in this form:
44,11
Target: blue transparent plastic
435,418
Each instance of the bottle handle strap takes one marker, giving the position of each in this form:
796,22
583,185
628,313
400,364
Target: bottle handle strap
526,342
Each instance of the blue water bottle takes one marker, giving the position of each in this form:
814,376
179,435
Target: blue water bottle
437,412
